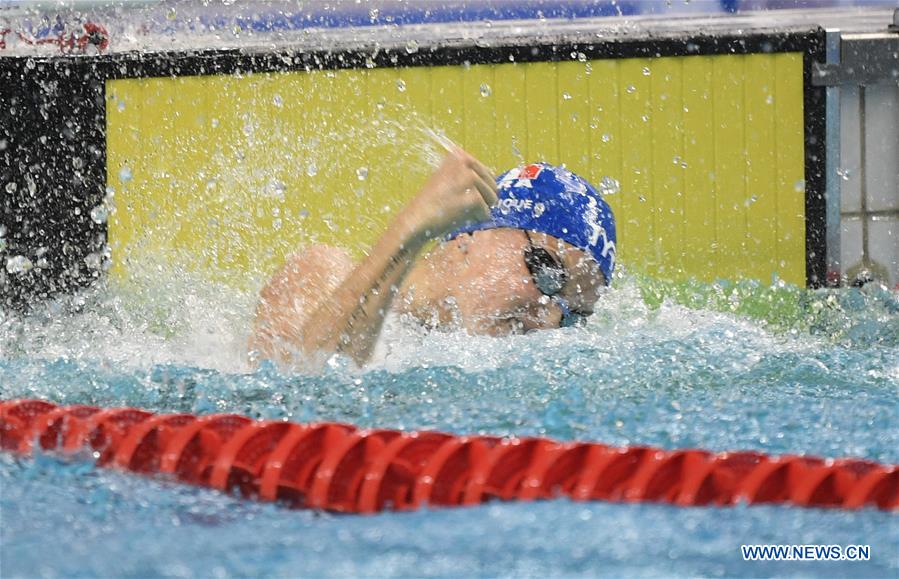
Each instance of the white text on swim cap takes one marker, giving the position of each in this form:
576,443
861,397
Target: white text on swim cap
597,231
510,204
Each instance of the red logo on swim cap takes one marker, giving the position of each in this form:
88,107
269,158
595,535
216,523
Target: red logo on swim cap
530,172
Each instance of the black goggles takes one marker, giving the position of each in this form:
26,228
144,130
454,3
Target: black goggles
550,277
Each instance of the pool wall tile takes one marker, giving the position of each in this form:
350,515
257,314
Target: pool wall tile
850,242
883,249
850,151
882,169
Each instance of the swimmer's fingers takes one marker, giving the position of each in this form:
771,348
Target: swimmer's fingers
488,193
478,167
481,176
484,181
485,173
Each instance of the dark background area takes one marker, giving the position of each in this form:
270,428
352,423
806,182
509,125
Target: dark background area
52,173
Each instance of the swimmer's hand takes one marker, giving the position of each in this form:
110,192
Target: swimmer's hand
348,318
461,191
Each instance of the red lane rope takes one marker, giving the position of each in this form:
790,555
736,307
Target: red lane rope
340,468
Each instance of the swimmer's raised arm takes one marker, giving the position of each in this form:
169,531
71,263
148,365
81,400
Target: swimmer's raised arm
460,191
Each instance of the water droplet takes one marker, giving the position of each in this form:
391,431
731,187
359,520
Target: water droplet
609,186
11,187
120,105
799,185
646,71
581,57
631,89
485,90
844,174
362,173
99,214
676,160
214,123
644,118
373,14
769,99
566,96
29,64
172,14
311,170
606,137
93,260
18,264
411,46
401,85
276,224
125,174
276,189
279,102
77,162
642,199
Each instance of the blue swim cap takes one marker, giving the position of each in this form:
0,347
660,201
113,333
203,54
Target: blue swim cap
553,200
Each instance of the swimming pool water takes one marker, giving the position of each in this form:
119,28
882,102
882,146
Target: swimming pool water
721,367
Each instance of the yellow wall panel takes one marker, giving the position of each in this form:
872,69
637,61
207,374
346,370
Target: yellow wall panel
667,159
542,117
789,139
636,199
700,232
447,103
479,111
508,95
730,165
574,116
228,174
605,137
761,202
393,106
375,182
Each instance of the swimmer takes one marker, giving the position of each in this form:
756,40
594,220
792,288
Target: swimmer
531,250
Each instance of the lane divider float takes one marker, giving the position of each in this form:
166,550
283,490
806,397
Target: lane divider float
341,468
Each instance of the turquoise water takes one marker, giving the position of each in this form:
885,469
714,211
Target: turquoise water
775,369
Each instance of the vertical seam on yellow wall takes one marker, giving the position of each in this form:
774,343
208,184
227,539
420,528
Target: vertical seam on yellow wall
464,118
653,181
493,87
777,243
745,249
556,153
683,150
716,255
618,129
591,172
